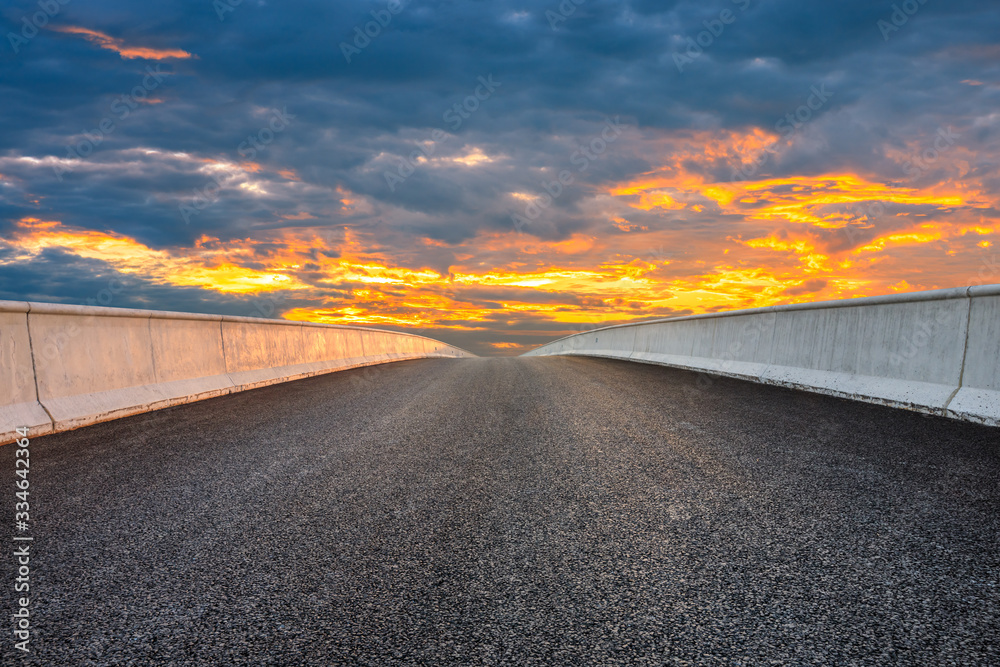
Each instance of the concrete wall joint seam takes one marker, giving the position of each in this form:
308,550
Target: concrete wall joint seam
34,366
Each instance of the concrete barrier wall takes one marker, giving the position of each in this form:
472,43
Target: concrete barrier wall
62,367
936,352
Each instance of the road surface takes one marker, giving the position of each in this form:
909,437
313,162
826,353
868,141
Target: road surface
514,511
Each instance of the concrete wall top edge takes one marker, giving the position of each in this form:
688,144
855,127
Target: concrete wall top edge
265,320
37,307
161,315
909,297
984,290
13,306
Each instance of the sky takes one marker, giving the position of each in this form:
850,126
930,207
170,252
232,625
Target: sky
495,174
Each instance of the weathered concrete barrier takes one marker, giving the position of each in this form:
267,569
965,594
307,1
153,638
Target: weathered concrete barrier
62,367
936,352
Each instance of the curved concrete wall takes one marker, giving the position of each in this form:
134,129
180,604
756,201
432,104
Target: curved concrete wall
62,367
935,352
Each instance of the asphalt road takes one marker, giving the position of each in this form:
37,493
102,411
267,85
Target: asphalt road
513,511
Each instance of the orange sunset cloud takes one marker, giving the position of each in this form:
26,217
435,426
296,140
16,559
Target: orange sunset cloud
118,45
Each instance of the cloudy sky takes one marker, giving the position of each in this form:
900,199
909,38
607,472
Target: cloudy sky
495,173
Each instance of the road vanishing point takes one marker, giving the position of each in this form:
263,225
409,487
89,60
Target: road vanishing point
515,511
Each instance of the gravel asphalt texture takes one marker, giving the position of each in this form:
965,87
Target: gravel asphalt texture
514,511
